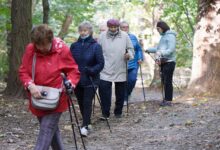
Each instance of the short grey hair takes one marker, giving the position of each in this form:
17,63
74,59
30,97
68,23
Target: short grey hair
87,25
124,22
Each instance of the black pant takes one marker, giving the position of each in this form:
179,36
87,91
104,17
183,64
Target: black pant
105,92
167,70
85,96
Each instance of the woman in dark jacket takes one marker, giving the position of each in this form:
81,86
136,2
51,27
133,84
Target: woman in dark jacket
89,57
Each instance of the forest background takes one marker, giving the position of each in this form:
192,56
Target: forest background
64,17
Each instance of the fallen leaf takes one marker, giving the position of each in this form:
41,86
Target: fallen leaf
188,123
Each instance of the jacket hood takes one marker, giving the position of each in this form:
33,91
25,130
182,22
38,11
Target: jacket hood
57,44
170,32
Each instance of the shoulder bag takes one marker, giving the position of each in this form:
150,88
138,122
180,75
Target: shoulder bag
49,96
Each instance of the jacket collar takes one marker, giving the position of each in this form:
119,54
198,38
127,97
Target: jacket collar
87,40
109,36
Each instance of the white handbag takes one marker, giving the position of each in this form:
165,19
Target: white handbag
50,96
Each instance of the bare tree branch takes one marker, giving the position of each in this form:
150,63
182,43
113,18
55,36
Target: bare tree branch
179,27
66,23
188,18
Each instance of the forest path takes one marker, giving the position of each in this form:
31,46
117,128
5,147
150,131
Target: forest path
190,124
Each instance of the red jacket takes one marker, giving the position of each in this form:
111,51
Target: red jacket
47,71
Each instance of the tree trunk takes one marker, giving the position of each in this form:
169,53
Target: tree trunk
205,78
67,22
20,36
156,82
46,10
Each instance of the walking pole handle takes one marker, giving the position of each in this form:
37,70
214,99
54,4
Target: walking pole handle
67,84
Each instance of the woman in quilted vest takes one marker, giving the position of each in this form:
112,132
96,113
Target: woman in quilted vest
88,55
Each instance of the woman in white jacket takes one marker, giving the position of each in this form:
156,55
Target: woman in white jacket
117,49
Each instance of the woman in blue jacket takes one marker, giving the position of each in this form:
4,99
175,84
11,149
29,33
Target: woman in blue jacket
133,64
166,59
89,57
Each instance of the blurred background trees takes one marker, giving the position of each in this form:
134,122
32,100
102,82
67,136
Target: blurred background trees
65,15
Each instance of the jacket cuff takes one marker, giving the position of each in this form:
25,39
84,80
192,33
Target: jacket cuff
27,84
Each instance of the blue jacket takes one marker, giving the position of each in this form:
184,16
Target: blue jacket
166,46
89,57
138,52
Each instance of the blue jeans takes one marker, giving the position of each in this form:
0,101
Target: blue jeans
105,93
132,78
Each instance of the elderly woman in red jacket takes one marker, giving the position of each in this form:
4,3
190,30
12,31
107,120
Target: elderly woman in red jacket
53,57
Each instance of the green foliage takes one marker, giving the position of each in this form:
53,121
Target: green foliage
5,26
4,22
3,64
181,15
128,10
184,57
80,10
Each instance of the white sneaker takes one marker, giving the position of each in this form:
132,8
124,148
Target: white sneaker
103,118
125,103
84,131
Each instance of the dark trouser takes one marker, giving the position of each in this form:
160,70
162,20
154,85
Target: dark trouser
132,78
105,93
167,70
85,96
49,133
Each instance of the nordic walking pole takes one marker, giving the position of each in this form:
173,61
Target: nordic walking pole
162,85
72,124
93,108
98,98
69,91
142,81
126,62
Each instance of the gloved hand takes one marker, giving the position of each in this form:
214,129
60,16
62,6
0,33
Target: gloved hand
157,61
146,51
68,85
34,91
126,56
89,71
158,54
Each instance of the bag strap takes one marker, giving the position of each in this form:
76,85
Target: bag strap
33,66
33,69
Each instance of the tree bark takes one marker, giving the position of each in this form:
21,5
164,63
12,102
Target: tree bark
66,24
155,83
46,10
205,78
21,19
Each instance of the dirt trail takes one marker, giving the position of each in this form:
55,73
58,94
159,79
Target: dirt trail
190,124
